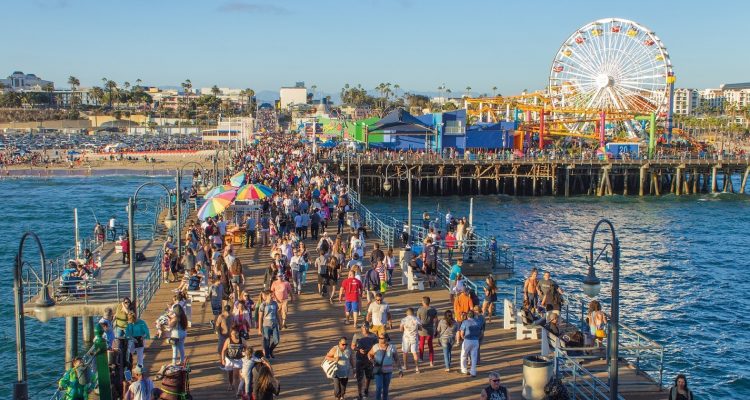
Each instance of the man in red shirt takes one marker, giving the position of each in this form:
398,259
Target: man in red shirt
351,291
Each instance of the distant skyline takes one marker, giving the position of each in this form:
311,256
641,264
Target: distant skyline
416,44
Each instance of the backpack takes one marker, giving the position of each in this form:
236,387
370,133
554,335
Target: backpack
557,298
555,390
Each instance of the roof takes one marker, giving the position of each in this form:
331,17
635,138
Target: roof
735,86
399,121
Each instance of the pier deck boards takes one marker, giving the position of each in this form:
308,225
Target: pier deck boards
313,328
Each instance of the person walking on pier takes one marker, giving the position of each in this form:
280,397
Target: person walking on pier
137,333
268,323
341,354
494,391
251,226
351,291
551,293
409,327
469,332
427,315
231,357
490,297
283,293
429,260
446,332
141,388
222,327
362,343
384,357
378,313
125,246
178,333
462,304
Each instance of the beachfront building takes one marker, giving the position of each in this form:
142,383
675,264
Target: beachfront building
230,130
292,96
712,99
685,101
20,82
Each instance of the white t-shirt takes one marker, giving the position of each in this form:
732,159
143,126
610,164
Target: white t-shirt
379,312
411,326
112,223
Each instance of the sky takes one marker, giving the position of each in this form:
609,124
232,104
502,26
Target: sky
417,44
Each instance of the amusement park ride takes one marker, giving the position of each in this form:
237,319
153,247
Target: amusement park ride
611,80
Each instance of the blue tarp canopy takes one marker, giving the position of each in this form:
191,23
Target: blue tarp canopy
399,121
328,144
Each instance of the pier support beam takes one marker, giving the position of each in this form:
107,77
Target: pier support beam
88,331
567,180
71,340
642,180
625,182
714,172
743,189
678,181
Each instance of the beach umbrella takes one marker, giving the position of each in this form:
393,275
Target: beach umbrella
216,204
218,189
254,191
237,179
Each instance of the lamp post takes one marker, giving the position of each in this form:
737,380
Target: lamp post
592,286
179,204
41,308
387,187
169,222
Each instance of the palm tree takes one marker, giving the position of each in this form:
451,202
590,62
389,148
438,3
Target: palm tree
215,90
468,91
313,87
97,94
494,91
74,84
396,88
111,87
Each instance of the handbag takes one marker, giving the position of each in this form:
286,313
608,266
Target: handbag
378,368
329,368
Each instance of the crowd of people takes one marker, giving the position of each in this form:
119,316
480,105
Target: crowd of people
308,200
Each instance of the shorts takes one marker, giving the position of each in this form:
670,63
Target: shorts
231,363
352,306
323,280
429,268
216,309
235,280
378,329
409,345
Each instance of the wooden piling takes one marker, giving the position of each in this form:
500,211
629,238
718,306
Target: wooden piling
714,172
642,179
678,181
744,189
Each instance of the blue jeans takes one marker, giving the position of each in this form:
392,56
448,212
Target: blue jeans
267,339
178,348
447,346
382,381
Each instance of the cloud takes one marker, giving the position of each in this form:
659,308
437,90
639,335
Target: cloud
253,8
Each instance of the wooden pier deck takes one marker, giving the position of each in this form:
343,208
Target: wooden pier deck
314,326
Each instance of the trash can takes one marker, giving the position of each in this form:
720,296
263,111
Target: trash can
536,373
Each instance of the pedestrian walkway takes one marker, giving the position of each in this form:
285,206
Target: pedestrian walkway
314,326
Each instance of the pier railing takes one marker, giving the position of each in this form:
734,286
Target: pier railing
581,382
638,350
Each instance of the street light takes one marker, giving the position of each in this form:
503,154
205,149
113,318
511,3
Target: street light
592,286
42,308
169,222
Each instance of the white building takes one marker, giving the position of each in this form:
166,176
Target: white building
291,96
712,98
234,95
238,129
19,82
737,94
685,101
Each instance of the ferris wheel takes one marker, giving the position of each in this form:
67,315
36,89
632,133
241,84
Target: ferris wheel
613,65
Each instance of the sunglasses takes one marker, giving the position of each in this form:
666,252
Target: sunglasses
381,338
495,380
342,344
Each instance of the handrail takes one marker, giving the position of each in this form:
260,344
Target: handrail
581,382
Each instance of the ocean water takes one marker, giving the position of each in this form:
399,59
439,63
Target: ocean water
683,261
681,268
45,206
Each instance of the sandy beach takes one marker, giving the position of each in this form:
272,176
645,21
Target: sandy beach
164,163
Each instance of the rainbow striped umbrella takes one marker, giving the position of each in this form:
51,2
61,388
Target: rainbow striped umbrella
237,179
216,204
254,191
218,189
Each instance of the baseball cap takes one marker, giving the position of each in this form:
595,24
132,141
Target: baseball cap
365,325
